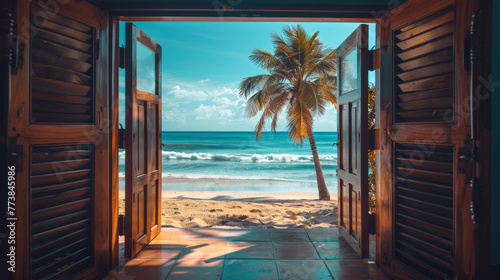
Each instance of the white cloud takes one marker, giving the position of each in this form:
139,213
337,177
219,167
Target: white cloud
224,101
204,81
205,112
193,95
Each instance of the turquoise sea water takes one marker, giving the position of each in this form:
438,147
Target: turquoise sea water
272,164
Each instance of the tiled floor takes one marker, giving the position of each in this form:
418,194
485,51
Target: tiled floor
247,254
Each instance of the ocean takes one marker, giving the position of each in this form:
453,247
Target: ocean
273,164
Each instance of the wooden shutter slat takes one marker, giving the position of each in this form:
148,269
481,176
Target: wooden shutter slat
55,232
424,205
428,257
78,255
439,188
60,153
436,229
411,32
63,40
61,210
36,192
60,50
440,44
59,87
429,94
426,37
46,167
60,74
425,72
64,30
443,244
75,246
59,221
428,164
426,103
423,115
61,118
38,250
426,175
422,264
55,199
60,19
428,60
59,177
424,195
77,266
425,215
39,56
53,107
444,81
61,98
441,256
431,155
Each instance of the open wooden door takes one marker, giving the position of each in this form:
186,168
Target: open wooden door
425,224
58,141
352,69
143,140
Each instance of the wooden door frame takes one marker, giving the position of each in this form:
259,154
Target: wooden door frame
115,17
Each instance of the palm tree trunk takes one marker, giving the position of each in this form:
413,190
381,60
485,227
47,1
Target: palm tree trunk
322,190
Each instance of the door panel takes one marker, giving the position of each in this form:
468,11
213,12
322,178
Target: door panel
423,118
59,101
143,153
353,128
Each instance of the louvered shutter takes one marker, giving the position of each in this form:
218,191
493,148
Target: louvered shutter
62,70
58,110
61,210
423,54
421,208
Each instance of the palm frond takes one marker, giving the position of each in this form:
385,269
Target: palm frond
299,122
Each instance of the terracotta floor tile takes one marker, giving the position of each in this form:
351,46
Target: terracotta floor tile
249,270
354,270
142,269
160,251
251,235
303,270
187,234
204,250
289,236
294,250
196,269
249,250
323,234
335,250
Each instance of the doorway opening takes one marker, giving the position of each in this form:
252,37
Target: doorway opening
214,172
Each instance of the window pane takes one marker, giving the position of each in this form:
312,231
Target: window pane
349,71
146,74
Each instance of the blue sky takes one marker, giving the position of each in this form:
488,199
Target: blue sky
204,62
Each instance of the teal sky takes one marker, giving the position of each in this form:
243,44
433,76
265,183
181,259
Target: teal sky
204,62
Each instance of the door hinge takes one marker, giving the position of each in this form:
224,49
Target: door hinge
97,49
374,139
374,59
121,137
121,225
122,57
15,155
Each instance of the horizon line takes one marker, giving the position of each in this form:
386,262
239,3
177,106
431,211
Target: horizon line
229,131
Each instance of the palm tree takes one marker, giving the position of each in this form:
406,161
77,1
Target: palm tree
301,80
